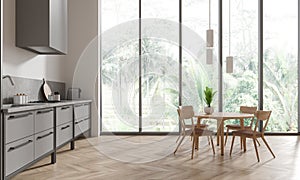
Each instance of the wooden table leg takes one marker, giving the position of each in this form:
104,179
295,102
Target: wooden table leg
218,132
196,143
222,137
197,139
243,138
244,142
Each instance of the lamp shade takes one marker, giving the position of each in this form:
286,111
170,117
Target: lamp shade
229,64
210,38
209,56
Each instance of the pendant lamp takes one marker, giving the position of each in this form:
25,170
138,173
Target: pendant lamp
209,39
229,58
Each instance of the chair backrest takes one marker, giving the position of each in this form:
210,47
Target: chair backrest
180,121
249,110
262,116
185,112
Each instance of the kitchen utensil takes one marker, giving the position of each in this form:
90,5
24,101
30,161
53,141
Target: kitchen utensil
46,89
18,99
56,96
73,93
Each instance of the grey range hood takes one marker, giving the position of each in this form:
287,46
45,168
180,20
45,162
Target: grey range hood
42,25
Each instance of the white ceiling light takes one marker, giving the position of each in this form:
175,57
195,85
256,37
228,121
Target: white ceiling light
209,56
229,58
209,39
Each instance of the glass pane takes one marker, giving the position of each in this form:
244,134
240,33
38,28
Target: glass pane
120,66
160,67
280,64
241,86
196,73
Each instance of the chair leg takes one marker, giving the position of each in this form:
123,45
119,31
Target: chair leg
254,142
233,137
212,144
193,147
198,143
244,143
241,142
268,146
257,142
226,136
178,137
208,140
179,144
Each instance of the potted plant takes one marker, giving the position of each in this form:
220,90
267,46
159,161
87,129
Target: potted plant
208,98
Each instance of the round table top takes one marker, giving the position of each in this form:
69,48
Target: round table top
224,115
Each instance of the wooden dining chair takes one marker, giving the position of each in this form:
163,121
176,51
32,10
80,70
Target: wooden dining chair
243,109
197,132
186,113
262,116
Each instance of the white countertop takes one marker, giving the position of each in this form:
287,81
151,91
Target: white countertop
9,108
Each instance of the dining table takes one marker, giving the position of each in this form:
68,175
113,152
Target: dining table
221,117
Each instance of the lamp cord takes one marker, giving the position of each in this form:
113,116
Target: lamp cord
209,13
229,30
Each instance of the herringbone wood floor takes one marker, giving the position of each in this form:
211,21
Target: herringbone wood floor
151,157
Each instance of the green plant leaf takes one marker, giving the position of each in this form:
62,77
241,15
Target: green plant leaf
209,95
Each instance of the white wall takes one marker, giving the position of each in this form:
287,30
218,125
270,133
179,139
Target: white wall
78,68
82,58
23,63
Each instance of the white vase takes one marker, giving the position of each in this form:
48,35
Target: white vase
208,110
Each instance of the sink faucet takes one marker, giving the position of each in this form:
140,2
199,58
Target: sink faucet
10,79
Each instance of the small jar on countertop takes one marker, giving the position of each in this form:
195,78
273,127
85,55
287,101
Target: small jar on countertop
18,99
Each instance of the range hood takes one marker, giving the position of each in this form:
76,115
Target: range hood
41,26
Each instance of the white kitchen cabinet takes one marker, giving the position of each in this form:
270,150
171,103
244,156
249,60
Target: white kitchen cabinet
82,126
81,118
43,143
64,114
18,125
44,119
81,111
18,154
64,133
34,134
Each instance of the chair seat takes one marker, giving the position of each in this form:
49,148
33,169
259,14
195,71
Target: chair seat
203,132
237,126
201,126
189,129
247,133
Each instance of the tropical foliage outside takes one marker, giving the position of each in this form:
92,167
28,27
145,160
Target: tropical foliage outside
160,79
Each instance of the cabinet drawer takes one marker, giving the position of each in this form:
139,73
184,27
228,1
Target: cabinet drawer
81,111
18,125
64,114
81,126
43,143
43,120
18,154
64,133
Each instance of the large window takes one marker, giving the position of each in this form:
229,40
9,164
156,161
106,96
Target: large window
160,63
154,59
120,66
196,74
280,64
241,86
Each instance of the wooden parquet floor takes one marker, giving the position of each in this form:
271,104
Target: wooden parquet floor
151,157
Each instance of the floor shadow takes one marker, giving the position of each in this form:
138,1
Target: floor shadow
38,166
